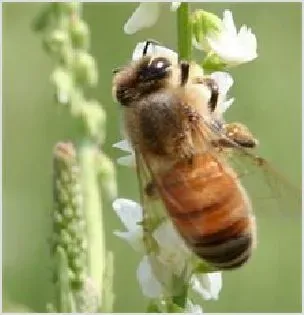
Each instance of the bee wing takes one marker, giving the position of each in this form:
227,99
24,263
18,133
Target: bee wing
154,214
154,208
256,173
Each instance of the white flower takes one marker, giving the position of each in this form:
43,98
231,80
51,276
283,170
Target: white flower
207,285
173,252
193,308
128,160
154,50
175,5
231,46
145,15
224,82
148,282
173,256
130,214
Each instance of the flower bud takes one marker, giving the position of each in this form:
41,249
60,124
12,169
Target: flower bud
95,117
68,217
79,34
62,79
85,69
204,23
55,41
213,62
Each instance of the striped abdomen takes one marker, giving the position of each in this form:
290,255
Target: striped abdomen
210,210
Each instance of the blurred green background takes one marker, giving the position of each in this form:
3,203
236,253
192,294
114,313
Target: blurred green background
268,100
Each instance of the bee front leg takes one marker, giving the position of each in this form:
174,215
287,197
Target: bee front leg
238,133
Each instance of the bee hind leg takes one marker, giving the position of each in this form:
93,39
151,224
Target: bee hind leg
236,133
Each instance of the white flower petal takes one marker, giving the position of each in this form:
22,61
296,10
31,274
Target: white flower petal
232,47
228,22
172,249
166,235
129,212
149,284
224,81
193,308
128,160
145,15
154,50
139,49
123,145
223,106
207,285
175,5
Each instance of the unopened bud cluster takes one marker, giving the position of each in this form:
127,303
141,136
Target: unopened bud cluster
68,219
67,41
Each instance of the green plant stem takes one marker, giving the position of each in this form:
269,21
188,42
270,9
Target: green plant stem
65,302
93,212
184,32
108,293
180,299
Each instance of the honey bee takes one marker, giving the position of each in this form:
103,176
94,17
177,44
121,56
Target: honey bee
171,119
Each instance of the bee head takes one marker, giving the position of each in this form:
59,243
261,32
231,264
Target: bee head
141,77
153,69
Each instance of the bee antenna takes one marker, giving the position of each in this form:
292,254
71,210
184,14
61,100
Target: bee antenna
148,43
184,72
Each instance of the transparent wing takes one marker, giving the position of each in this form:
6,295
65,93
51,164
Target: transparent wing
267,187
170,262
153,206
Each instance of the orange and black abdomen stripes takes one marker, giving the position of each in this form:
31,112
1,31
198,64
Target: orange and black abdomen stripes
225,249
210,210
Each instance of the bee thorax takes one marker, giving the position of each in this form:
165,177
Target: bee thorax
161,128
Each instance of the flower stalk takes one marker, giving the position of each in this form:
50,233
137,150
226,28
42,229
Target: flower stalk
184,32
67,41
69,242
93,212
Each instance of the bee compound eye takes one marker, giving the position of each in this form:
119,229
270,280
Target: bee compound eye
157,69
160,63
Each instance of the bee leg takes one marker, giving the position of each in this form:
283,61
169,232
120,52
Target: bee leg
184,66
239,134
151,190
214,89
